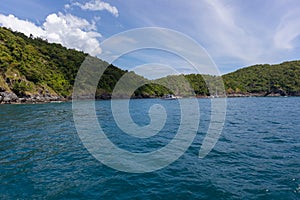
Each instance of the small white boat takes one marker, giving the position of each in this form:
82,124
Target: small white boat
56,101
170,97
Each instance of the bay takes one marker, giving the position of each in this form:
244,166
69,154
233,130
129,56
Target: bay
256,157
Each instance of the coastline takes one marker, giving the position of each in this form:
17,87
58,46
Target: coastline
12,98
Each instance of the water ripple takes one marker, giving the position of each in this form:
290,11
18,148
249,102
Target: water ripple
257,156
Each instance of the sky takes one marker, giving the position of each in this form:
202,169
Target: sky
233,33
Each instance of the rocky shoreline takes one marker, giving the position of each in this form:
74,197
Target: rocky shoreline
12,98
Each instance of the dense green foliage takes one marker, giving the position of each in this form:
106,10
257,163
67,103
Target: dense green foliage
262,80
30,66
282,78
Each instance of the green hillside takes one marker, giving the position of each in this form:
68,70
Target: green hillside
31,67
282,79
33,70
259,80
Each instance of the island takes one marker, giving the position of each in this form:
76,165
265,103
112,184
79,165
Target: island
32,70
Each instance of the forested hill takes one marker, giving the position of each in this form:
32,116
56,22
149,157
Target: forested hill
280,79
33,67
33,70
259,80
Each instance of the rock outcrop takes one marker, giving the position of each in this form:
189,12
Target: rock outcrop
12,98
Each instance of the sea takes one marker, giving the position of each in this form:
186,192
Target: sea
257,155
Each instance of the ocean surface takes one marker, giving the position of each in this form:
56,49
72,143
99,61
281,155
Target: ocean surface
257,155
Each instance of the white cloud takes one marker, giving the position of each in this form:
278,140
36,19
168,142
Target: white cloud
217,25
67,6
72,32
229,38
234,33
287,30
68,30
23,26
98,5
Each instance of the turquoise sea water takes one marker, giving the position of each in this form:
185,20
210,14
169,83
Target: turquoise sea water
256,157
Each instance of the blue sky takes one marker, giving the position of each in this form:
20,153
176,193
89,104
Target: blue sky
235,33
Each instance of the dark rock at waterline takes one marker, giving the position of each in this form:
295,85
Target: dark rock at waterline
275,93
8,97
11,98
104,96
